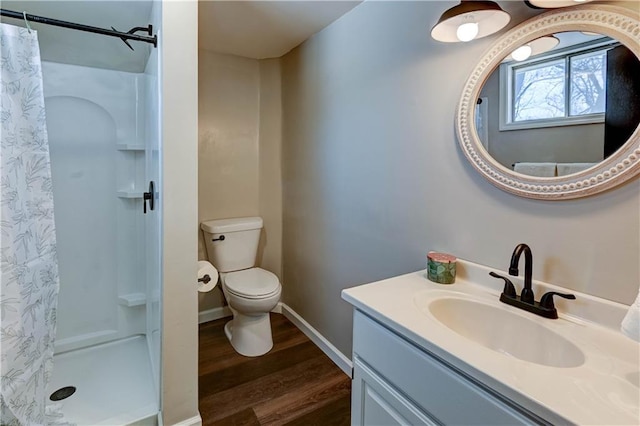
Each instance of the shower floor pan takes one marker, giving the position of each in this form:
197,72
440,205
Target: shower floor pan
113,381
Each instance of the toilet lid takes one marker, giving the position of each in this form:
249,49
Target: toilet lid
252,283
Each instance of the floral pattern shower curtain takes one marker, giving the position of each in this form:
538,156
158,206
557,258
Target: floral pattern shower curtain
29,280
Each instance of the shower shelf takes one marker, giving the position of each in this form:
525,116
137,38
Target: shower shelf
129,194
132,299
129,147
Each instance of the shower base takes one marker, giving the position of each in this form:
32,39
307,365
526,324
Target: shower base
113,381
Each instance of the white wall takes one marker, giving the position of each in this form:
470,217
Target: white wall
270,167
179,202
239,151
228,111
228,119
373,177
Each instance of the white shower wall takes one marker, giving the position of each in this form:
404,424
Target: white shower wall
96,125
153,224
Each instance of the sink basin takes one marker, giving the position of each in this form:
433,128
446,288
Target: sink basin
505,332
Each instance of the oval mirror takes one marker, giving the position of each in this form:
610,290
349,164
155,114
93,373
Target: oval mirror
553,109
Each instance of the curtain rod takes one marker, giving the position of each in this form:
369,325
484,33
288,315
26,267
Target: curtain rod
130,35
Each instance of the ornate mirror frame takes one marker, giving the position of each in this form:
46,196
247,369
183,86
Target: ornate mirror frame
613,21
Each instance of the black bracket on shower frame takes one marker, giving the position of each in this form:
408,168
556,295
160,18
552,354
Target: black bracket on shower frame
150,197
130,35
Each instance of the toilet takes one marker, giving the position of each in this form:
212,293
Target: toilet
232,245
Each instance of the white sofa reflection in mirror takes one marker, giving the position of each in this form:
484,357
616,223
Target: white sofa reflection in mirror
546,169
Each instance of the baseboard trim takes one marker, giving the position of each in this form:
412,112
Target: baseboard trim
193,421
320,341
213,314
224,311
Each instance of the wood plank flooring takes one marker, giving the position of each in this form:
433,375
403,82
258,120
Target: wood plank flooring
294,384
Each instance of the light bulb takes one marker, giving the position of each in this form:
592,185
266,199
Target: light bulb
521,53
467,31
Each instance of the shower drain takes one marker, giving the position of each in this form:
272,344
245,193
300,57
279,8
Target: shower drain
63,393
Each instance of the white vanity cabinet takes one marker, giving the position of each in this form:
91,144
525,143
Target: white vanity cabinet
396,382
411,366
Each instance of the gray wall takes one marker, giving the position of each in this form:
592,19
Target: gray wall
565,144
373,177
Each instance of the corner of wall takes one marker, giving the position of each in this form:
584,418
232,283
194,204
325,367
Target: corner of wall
179,97
270,164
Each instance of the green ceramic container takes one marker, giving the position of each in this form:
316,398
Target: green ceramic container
441,268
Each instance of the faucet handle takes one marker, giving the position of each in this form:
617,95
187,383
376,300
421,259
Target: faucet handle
546,301
509,289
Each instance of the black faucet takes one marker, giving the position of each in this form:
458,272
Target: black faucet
527,294
526,300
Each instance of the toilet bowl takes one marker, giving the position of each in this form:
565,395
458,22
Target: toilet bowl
251,294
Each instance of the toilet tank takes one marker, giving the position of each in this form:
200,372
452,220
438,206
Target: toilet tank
238,249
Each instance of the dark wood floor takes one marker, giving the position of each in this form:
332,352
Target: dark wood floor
294,384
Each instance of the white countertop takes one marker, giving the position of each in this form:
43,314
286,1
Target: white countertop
604,390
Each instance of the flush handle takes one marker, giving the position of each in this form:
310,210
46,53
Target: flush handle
220,238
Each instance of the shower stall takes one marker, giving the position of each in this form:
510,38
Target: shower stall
104,144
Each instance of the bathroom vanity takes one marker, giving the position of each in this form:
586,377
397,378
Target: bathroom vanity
396,382
427,353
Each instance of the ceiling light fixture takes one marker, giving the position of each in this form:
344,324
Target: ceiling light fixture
550,4
469,20
467,32
534,47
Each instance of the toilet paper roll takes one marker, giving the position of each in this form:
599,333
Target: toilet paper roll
206,272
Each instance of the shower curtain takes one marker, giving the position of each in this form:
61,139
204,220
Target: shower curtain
29,280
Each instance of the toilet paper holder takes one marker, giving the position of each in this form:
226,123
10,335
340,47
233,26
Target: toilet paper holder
204,279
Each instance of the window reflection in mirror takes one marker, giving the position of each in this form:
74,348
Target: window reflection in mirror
561,111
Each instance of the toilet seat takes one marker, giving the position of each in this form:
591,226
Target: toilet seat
254,283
